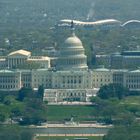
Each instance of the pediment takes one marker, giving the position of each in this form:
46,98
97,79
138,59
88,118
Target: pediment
20,53
17,55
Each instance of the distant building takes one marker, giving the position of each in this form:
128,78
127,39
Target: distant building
10,80
20,58
101,77
124,60
70,79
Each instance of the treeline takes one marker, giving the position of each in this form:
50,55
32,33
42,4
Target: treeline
15,133
19,110
95,41
111,109
25,107
124,133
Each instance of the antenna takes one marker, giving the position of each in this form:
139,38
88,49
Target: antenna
72,28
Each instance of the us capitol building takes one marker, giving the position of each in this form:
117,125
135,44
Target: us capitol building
70,80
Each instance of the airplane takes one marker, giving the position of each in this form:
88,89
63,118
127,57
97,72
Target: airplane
99,23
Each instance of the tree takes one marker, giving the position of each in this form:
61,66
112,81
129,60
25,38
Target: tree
24,92
2,96
112,90
111,111
40,92
105,109
34,112
16,111
2,117
124,133
125,119
15,133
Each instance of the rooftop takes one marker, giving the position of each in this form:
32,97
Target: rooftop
22,52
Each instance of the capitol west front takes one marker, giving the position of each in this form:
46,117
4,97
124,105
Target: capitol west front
70,80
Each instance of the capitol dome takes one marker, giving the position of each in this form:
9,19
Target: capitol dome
72,55
73,41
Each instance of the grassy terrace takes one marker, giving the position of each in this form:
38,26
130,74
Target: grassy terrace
68,138
82,113
132,100
59,113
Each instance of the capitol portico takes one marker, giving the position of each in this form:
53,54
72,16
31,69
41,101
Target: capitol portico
20,58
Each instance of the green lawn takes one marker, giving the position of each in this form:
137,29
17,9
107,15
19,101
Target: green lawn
68,138
132,100
81,113
60,112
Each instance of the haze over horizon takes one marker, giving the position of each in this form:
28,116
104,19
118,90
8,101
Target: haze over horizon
48,12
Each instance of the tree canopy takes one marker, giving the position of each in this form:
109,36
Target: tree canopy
124,133
112,90
15,133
